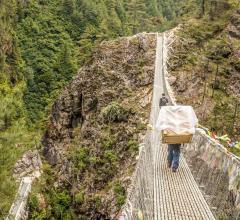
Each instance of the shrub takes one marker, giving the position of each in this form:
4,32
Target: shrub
33,202
79,198
108,142
219,49
114,113
97,201
81,157
36,212
235,62
60,202
110,156
140,126
133,146
120,193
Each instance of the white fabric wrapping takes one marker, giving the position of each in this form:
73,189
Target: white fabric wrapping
179,119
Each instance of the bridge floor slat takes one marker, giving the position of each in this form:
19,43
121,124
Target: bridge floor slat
178,196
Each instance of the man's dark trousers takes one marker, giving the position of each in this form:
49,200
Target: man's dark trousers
174,155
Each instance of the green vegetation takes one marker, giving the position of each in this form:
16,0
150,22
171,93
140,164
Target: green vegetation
79,198
80,158
115,113
133,146
55,205
58,205
207,55
120,193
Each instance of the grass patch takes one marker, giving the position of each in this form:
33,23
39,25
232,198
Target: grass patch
13,143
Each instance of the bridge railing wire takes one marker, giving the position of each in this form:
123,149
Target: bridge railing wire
140,194
140,199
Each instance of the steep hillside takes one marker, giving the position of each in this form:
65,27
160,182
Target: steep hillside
95,128
15,138
205,67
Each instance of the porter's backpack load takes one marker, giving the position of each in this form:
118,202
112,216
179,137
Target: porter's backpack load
177,124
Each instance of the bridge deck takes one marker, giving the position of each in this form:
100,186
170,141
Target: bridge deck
157,193
176,195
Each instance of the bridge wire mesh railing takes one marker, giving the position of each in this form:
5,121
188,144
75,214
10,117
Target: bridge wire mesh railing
140,194
140,198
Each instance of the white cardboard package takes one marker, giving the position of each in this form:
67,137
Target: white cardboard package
179,119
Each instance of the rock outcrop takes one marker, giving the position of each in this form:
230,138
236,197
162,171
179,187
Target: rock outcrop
114,71
97,123
29,165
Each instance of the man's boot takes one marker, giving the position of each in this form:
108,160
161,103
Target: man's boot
169,164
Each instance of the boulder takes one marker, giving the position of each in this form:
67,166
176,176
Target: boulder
172,80
28,165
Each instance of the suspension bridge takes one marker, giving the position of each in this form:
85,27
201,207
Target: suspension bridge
156,192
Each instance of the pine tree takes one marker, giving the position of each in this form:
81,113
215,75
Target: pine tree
114,24
87,42
68,6
121,11
65,66
213,7
137,14
203,7
104,34
152,7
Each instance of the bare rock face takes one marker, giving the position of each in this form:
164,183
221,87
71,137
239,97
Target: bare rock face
182,83
29,165
172,80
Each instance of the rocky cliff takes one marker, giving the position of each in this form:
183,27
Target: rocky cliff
94,130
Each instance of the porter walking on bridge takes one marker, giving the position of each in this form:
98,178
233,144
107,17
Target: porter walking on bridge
177,124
